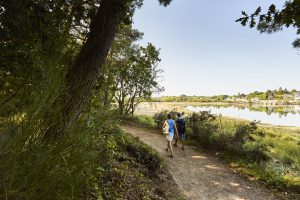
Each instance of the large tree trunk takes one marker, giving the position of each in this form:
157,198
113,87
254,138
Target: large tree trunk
106,99
84,72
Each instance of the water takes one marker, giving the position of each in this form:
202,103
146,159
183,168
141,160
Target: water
279,115
283,116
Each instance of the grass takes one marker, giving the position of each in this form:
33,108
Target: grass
281,171
142,120
140,171
281,141
97,161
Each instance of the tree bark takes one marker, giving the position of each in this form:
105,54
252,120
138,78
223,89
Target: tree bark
106,99
11,97
83,74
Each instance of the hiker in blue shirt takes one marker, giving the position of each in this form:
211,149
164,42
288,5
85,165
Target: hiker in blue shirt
172,130
180,124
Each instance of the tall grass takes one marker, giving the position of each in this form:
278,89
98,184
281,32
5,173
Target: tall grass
268,153
59,170
142,120
96,160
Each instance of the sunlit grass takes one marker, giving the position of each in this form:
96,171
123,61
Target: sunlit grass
143,120
281,171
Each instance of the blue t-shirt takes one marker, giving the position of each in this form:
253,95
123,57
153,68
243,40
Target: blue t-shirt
171,127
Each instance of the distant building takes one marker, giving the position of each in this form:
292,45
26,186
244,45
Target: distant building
297,108
242,100
255,100
230,99
267,102
297,96
271,97
288,96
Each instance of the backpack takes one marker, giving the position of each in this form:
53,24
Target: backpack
165,129
180,125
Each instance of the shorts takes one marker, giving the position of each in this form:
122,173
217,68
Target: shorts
182,136
169,138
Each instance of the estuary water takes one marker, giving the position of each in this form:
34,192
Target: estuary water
276,115
282,116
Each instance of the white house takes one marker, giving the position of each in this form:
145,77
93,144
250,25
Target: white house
297,96
255,100
287,96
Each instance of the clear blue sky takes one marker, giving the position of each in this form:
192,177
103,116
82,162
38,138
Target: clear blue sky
205,52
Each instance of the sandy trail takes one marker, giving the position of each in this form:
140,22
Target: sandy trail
199,175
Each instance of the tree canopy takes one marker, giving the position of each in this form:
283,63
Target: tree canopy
275,19
43,40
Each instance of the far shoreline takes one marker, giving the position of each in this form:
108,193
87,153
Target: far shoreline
226,103
180,106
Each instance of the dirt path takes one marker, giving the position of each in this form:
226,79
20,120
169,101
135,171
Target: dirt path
200,175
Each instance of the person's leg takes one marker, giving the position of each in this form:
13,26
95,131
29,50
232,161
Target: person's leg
170,146
176,140
167,149
183,140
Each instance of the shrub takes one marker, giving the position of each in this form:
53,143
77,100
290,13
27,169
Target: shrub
160,117
143,154
248,140
95,161
202,126
57,170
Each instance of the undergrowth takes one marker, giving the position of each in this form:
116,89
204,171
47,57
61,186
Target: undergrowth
269,154
96,161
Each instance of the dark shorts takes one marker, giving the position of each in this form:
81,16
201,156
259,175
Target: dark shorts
182,135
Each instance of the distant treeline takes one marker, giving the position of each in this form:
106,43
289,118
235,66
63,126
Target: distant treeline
184,98
283,95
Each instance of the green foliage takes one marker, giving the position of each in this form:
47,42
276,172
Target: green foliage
202,127
34,36
165,2
160,117
97,161
39,42
245,133
283,97
143,120
247,140
273,158
184,98
275,20
270,154
136,78
145,156
33,170
130,73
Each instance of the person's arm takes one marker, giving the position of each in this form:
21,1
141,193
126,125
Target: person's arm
164,124
176,131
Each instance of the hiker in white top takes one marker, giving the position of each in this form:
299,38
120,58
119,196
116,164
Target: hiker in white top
172,129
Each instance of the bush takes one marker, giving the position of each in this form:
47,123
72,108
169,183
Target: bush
160,117
203,127
144,155
246,132
95,161
248,140
57,170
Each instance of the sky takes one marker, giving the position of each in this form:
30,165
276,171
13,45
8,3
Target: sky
205,52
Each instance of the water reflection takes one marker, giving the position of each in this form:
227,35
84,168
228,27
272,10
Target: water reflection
279,115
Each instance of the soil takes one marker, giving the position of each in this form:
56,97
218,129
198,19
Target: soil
200,175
